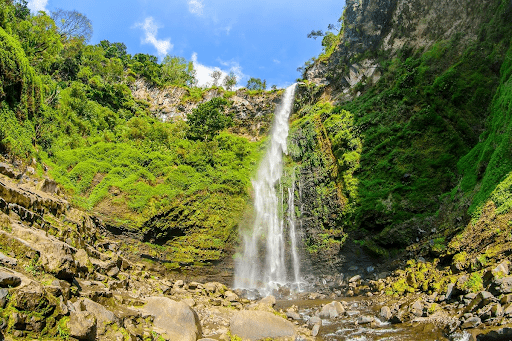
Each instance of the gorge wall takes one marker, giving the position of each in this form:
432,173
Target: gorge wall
394,133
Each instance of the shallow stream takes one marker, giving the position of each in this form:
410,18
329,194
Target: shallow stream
345,328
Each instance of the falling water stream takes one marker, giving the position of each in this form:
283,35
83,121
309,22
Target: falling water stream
263,264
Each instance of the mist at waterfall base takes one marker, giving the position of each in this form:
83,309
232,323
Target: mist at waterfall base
270,258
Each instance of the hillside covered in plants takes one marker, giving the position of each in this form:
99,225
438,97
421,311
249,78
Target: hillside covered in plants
402,133
82,114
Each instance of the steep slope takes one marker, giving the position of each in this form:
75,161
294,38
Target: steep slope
405,120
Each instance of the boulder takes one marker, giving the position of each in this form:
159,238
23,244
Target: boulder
482,299
269,300
231,296
82,325
354,279
32,297
471,322
257,325
9,280
385,313
365,319
7,261
331,310
315,330
56,256
176,319
104,317
501,270
504,285
417,309
4,297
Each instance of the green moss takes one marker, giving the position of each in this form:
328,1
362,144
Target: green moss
474,283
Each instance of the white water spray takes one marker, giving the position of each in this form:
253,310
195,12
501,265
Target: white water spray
258,269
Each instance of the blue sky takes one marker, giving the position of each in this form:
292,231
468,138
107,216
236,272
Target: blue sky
263,39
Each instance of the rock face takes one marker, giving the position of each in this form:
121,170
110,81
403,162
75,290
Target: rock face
390,25
176,319
257,325
253,113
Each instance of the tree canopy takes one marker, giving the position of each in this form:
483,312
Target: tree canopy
208,119
72,24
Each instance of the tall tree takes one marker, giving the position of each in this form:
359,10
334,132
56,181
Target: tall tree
72,24
208,119
178,71
256,84
230,81
216,75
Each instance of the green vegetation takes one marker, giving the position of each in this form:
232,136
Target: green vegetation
69,106
417,134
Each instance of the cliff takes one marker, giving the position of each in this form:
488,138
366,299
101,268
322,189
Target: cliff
397,131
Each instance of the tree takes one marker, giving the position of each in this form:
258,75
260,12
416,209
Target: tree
72,24
40,39
208,119
114,50
178,71
329,40
230,81
256,84
315,34
216,75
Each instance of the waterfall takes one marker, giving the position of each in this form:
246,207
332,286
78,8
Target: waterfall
293,233
263,262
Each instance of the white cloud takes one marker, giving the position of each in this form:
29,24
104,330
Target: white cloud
195,6
37,5
150,31
277,61
203,72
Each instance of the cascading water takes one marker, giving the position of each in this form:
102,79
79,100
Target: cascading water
263,263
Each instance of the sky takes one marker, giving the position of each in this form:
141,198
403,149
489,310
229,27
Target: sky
265,39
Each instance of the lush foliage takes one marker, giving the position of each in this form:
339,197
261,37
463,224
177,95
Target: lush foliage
69,106
410,137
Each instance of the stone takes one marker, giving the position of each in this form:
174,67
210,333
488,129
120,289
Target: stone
56,256
179,284
293,315
482,299
494,335
385,313
231,296
314,320
471,322
507,310
417,309
352,313
113,271
365,319
354,279
504,285
497,310
501,270
32,297
449,291
315,330
104,317
269,300
189,301
9,280
8,261
176,319
82,325
506,299
4,297
256,325
83,263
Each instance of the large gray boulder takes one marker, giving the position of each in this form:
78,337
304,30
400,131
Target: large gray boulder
176,320
257,325
104,317
82,326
